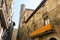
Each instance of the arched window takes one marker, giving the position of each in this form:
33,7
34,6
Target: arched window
52,39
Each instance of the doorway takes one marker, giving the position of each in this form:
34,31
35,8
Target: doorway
52,39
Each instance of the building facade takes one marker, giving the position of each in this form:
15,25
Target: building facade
25,14
43,23
14,35
6,24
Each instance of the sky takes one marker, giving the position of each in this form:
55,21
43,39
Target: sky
31,4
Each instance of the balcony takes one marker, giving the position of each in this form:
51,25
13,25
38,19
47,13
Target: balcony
1,3
41,31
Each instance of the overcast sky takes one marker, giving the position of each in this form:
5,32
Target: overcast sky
31,4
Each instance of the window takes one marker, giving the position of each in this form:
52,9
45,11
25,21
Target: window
45,18
46,21
1,3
